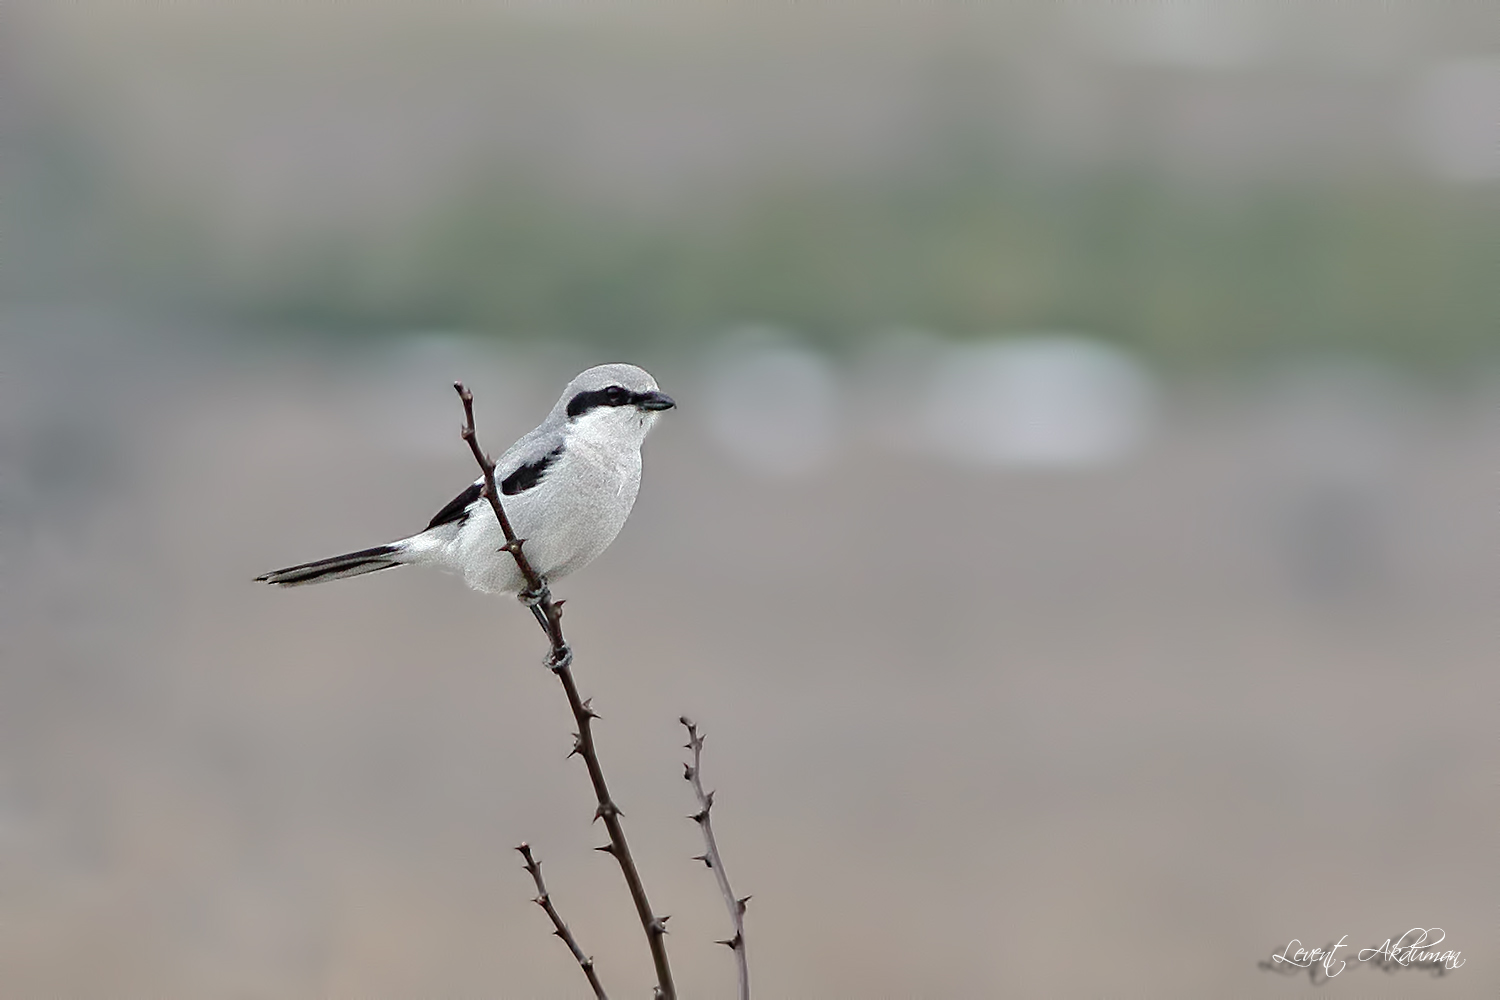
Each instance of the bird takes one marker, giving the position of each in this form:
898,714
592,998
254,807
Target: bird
566,487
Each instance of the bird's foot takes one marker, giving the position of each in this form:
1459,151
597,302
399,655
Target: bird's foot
536,600
533,598
560,658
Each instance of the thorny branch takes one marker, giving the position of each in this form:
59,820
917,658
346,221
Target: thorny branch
548,614
544,900
694,774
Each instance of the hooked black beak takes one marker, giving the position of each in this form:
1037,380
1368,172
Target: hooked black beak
654,401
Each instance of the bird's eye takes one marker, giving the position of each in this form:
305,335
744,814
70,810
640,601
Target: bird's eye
616,395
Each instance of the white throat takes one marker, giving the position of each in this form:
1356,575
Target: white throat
611,429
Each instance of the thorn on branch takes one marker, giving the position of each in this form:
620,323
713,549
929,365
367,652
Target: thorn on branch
548,615
560,929
693,772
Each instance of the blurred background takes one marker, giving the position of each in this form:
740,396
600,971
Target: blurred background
1076,537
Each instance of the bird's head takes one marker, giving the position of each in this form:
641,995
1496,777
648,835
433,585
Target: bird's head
613,403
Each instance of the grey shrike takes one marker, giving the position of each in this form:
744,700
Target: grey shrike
567,488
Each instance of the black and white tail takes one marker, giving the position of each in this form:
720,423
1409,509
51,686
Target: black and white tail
336,567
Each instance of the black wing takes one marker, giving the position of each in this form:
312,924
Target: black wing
519,481
528,475
457,508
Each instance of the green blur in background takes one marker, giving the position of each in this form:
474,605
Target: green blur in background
1209,188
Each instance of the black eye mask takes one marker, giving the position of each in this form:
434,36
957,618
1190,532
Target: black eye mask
616,395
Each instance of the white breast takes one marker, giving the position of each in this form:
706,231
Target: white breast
567,519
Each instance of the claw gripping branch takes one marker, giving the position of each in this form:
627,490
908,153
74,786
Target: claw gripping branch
548,614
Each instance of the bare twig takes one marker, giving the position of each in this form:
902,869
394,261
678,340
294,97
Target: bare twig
561,929
694,774
548,614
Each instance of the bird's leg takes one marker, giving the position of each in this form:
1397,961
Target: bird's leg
538,601
534,599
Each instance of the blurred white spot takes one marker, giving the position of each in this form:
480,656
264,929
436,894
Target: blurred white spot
1457,120
1049,400
771,404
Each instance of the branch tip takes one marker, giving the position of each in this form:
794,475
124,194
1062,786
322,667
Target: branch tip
693,772
548,614
560,929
